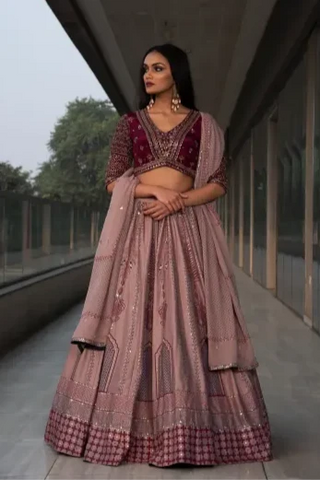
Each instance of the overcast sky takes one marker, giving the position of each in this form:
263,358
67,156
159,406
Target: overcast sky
40,71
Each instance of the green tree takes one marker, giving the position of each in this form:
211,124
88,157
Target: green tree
79,146
15,179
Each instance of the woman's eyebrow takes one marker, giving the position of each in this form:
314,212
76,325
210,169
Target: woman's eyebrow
154,64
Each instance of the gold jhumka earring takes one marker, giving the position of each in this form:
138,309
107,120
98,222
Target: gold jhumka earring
176,100
151,103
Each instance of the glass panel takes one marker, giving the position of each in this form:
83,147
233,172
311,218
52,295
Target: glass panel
230,219
83,228
60,227
260,201
13,268
316,230
101,219
36,235
36,228
316,212
223,212
245,158
236,212
291,167
3,229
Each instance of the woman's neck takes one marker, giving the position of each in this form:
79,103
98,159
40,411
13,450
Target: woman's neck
162,103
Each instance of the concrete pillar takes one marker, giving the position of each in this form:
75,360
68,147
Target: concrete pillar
226,216
2,238
272,201
97,227
311,100
241,211
72,228
232,211
251,204
93,229
46,229
26,234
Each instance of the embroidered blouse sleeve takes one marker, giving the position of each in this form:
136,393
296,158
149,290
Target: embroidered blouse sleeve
220,175
120,158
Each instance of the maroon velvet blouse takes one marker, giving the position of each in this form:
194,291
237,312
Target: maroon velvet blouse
139,143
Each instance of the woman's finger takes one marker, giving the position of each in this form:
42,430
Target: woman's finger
170,206
161,214
149,205
179,204
149,210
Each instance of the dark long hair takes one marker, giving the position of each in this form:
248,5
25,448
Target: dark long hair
180,69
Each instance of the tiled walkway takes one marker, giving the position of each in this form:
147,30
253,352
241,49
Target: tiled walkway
289,356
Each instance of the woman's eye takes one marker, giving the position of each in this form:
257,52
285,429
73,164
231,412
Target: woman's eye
159,69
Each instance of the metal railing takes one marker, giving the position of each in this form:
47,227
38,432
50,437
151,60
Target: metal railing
38,235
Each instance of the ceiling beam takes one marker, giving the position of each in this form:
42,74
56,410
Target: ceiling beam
255,19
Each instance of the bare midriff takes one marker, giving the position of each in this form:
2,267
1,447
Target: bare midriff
167,177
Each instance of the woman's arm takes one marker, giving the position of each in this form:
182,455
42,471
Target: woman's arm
120,157
144,191
205,194
141,190
159,210
172,199
216,187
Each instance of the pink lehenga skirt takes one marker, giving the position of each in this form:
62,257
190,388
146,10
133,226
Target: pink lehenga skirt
149,395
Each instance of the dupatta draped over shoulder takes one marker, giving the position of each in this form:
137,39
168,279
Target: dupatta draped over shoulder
229,344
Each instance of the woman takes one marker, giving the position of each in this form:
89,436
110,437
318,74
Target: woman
161,369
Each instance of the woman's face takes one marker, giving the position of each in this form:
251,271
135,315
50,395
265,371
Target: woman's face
157,74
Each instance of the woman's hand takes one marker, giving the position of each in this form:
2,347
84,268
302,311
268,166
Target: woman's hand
171,199
156,209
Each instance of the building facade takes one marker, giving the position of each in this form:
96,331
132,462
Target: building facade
271,214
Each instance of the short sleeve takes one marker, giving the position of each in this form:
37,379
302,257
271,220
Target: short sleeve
220,175
120,158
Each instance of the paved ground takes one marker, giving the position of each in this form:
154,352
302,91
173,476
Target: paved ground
289,356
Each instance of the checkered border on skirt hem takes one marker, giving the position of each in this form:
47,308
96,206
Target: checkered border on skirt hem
179,444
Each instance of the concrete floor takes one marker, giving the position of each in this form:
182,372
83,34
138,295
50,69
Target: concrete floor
289,356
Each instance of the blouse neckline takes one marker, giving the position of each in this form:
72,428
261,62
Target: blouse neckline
154,126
